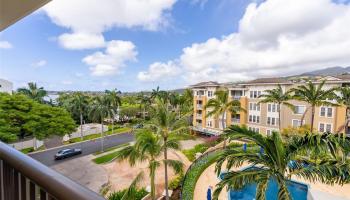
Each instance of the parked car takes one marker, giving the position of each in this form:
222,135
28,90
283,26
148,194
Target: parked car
66,153
137,126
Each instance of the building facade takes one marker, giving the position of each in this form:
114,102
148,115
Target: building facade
264,117
6,86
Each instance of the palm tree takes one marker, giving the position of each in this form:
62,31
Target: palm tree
166,123
79,104
220,105
114,101
132,189
280,161
145,101
344,100
149,147
160,94
100,109
279,97
315,96
33,92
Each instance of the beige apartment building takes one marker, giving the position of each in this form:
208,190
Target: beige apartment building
263,117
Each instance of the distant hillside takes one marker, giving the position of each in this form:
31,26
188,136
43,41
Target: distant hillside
330,71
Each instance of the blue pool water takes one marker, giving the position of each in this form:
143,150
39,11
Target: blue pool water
298,191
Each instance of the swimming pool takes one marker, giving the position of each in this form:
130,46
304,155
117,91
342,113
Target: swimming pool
297,190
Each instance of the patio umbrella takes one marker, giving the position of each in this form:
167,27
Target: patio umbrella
209,194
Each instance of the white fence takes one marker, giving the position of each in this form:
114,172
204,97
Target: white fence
27,144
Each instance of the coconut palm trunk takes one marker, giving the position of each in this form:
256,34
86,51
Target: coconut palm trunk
166,168
312,118
152,172
102,135
347,120
223,127
81,126
279,117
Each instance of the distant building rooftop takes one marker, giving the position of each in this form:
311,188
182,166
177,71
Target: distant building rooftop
206,84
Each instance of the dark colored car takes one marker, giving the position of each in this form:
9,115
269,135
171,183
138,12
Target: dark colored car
137,126
66,153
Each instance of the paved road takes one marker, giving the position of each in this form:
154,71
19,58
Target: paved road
88,147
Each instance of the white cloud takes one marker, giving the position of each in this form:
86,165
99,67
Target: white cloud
67,82
159,71
90,18
111,61
274,38
81,40
78,74
39,63
5,45
201,3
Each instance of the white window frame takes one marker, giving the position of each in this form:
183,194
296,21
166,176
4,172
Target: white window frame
298,123
299,106
326,111
325,126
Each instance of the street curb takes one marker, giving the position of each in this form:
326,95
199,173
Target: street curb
31,153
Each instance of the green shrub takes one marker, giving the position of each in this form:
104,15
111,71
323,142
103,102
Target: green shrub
191,153
140,193
175,183
27,150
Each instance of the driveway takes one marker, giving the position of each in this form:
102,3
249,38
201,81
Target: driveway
87,147
84,171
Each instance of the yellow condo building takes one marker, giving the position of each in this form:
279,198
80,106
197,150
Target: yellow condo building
263,117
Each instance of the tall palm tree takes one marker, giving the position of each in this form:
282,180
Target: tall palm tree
144,101
149,147
315,96
166,123
160,94
114,101
222,104
100,109
79,104
279,97
344,99
132,189
280,161
34,92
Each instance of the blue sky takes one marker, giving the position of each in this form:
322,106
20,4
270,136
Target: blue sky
172,43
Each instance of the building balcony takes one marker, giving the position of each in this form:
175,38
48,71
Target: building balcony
199,106
25,178
236,97
199,116
235,120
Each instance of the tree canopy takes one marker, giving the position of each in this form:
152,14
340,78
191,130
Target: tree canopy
21,116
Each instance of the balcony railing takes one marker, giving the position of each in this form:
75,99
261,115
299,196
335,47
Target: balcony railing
235,120
236,97
199,116
22,177
199,106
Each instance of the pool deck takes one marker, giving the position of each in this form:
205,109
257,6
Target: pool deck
318,191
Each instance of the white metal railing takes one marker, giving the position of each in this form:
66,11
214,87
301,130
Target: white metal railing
235,120
199,116
207,131
199,106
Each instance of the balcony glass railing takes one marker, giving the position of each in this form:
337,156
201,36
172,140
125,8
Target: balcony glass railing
27,179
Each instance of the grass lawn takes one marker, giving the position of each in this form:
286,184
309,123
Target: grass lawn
111,149
108,157
98,135
31,149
